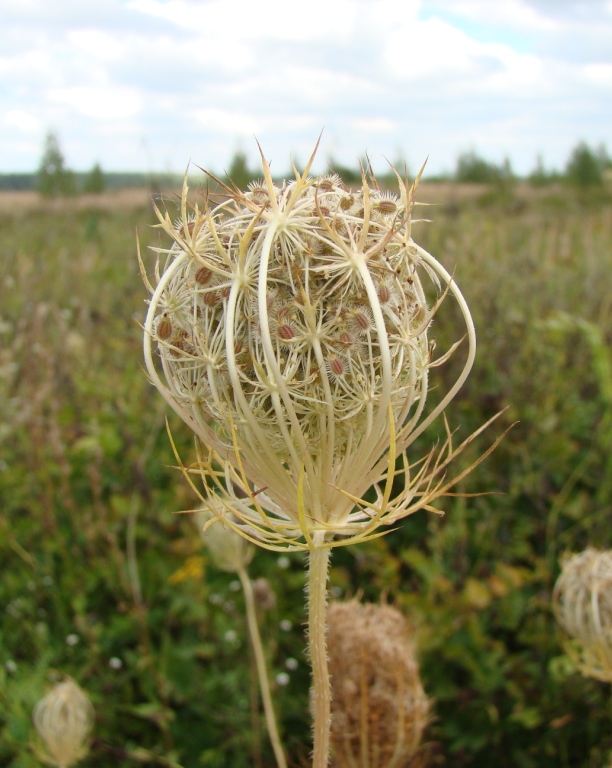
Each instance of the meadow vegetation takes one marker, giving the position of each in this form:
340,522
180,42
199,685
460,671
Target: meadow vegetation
102,580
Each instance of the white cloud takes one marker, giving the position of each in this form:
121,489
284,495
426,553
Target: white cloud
24,121
96,43
434,50
600,75
237,20
235,123
99,103
374,125
22,66
195,78
517,14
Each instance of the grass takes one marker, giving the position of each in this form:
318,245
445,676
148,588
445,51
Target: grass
159,640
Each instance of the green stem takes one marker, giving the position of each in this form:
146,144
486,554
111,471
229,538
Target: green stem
262,673
317,631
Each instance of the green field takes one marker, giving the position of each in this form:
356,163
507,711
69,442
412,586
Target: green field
101,580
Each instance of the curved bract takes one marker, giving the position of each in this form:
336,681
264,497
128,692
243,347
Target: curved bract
289,329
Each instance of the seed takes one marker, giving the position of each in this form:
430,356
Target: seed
346,202
178,346
384,293
386,206
361,320
336,365
203,275
164,329
345,339
326,185
210,298
283,313
286,332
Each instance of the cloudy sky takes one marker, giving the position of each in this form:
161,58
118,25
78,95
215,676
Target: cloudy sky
152,84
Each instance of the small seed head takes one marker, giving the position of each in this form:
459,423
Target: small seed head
379,707
229,550
582,603
63,719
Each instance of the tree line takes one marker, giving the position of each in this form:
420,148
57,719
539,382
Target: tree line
586,167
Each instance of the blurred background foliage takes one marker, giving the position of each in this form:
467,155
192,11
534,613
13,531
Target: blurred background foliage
104,581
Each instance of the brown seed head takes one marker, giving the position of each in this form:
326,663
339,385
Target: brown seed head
379,708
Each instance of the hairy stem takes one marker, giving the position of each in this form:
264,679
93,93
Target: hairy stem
262,672
317,646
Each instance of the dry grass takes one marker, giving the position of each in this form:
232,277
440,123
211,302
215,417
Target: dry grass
121,199
438,193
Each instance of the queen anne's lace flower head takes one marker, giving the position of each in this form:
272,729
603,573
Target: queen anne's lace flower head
582,603
379,707
228,550
63,719
289,329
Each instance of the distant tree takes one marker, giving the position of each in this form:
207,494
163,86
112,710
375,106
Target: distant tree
239,171
54,178
471,168
95,182
586,166
348,175
540,177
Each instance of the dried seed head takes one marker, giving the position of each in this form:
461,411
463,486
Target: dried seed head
379,707
229,550
63,719
331,367
582,603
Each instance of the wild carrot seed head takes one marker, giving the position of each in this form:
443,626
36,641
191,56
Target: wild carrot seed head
63,719
582,603
301,412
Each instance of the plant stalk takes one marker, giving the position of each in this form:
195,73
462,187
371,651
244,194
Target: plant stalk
317,646
262,672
